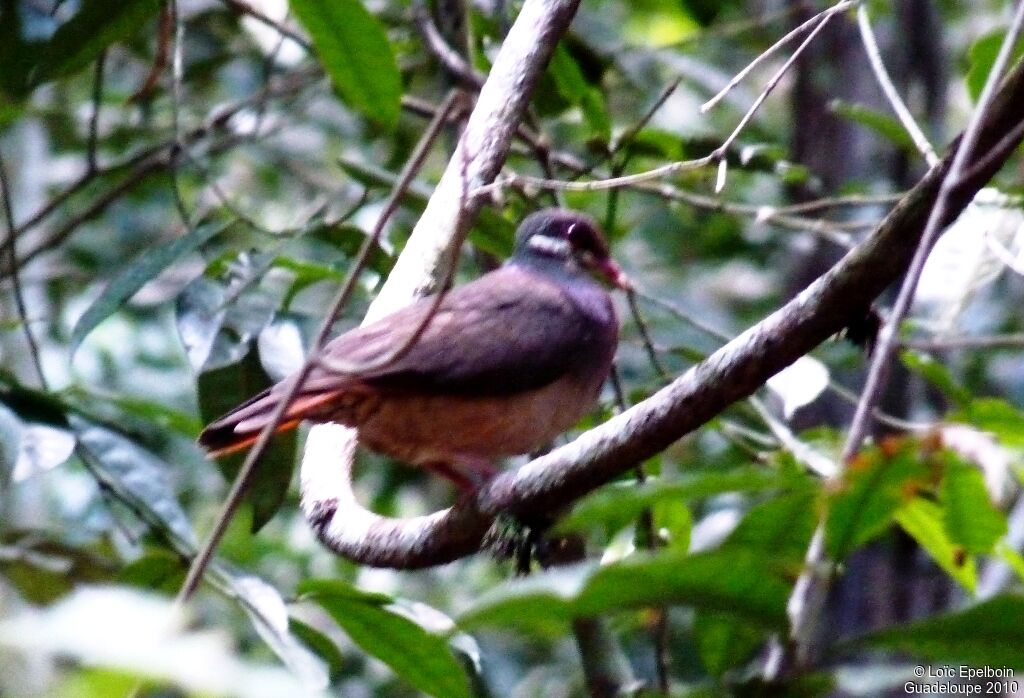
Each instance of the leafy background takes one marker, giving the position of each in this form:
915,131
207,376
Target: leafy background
179,237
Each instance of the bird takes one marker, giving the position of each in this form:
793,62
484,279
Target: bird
504,365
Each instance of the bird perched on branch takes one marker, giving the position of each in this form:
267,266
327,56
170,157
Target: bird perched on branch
504,364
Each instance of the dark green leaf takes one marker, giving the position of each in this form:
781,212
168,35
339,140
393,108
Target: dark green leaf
937,374
133,277
780,528
741,583
970,517
989,634
321,645
575,89
355,52
723,641
617,505
96,25
884,125
875,485
221,389
43,569
158,570
420,657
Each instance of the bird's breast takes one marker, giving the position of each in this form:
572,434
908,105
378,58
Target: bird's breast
454,429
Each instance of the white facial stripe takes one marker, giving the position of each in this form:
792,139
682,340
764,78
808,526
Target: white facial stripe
556,247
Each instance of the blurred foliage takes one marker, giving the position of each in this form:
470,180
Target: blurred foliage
189,187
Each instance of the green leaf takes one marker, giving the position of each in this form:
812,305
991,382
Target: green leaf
780,528
321,645
982,56
937,374
995,416
876,484
617,505
269,615
970,517
723,642
96,25
158,570
884,125
355,52
989,634
137,471
133,277
220,390
922,519
742,583
575,89
422,658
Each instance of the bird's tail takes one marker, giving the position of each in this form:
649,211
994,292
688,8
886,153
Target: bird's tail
240,428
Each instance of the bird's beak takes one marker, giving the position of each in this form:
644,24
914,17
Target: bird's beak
614,274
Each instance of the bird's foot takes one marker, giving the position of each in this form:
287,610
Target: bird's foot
510,538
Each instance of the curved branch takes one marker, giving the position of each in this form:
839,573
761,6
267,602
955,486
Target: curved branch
731,373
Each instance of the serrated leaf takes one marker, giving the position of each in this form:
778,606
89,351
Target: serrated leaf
971,519
80,40
422,658
875,485
989,634
922,520
747,585
355,52
141,270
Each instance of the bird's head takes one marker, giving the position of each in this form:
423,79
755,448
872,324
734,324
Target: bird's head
571,238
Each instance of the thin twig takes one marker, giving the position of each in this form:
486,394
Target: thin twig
807,597
12,261
772,49
716,157
1011,341
867,36
451,59
94,120
246,9
645,336
825,18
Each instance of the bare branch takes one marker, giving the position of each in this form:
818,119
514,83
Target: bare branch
867,36
733,372
808,594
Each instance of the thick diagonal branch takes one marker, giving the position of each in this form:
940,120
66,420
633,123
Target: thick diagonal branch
733,372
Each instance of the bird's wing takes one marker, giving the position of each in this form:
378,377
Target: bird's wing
507,332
